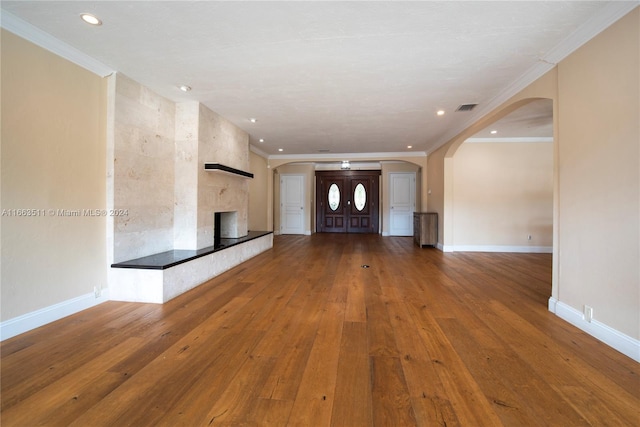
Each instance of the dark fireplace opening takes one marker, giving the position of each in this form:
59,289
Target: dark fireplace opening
217,220
225,226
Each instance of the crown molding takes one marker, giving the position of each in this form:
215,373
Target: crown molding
608,15
320,166
258,151
345,156
46,41
516,139
530,76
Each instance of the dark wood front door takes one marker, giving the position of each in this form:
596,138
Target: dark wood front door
347,201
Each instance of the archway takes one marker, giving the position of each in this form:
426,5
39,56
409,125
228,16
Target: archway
503,184
441,167
308,165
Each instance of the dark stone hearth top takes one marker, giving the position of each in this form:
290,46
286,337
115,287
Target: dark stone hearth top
168,259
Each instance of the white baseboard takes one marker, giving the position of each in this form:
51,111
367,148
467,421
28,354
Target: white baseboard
623,343
498,248
35,319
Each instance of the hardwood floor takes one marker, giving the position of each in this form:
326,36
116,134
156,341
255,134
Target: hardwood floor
305,335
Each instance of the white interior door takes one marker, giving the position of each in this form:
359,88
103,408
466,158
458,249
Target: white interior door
292,196
402,204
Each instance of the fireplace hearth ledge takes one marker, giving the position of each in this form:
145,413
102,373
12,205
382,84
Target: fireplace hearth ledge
152,280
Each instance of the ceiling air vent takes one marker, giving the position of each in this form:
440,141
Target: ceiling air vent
466,107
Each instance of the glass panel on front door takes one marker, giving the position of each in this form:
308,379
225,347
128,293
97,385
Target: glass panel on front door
360,197
334,197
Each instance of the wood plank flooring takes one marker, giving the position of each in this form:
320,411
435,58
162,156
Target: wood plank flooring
305,335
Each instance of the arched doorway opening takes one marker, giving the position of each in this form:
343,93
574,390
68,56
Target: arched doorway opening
384,167
441,178
502,184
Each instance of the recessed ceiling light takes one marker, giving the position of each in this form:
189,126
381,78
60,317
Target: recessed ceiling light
493,132
261,140
440,112
409,146
252,120
280,149
185,88
90,19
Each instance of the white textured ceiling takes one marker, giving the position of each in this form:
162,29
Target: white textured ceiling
347,77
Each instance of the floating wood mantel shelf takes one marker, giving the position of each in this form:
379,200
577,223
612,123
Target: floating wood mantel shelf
219,167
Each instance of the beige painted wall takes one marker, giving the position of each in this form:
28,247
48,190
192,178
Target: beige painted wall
435,187
53,158
599,182
503,192
259,194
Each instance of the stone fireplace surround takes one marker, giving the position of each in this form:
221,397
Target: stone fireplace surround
166,244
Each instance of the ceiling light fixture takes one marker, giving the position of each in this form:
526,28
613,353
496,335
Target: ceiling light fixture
261,140
440,113
493,132
280,149
252,120
90,19
185,88
409,146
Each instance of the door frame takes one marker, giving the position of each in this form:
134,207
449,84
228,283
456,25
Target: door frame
303,197
348,174
412,193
